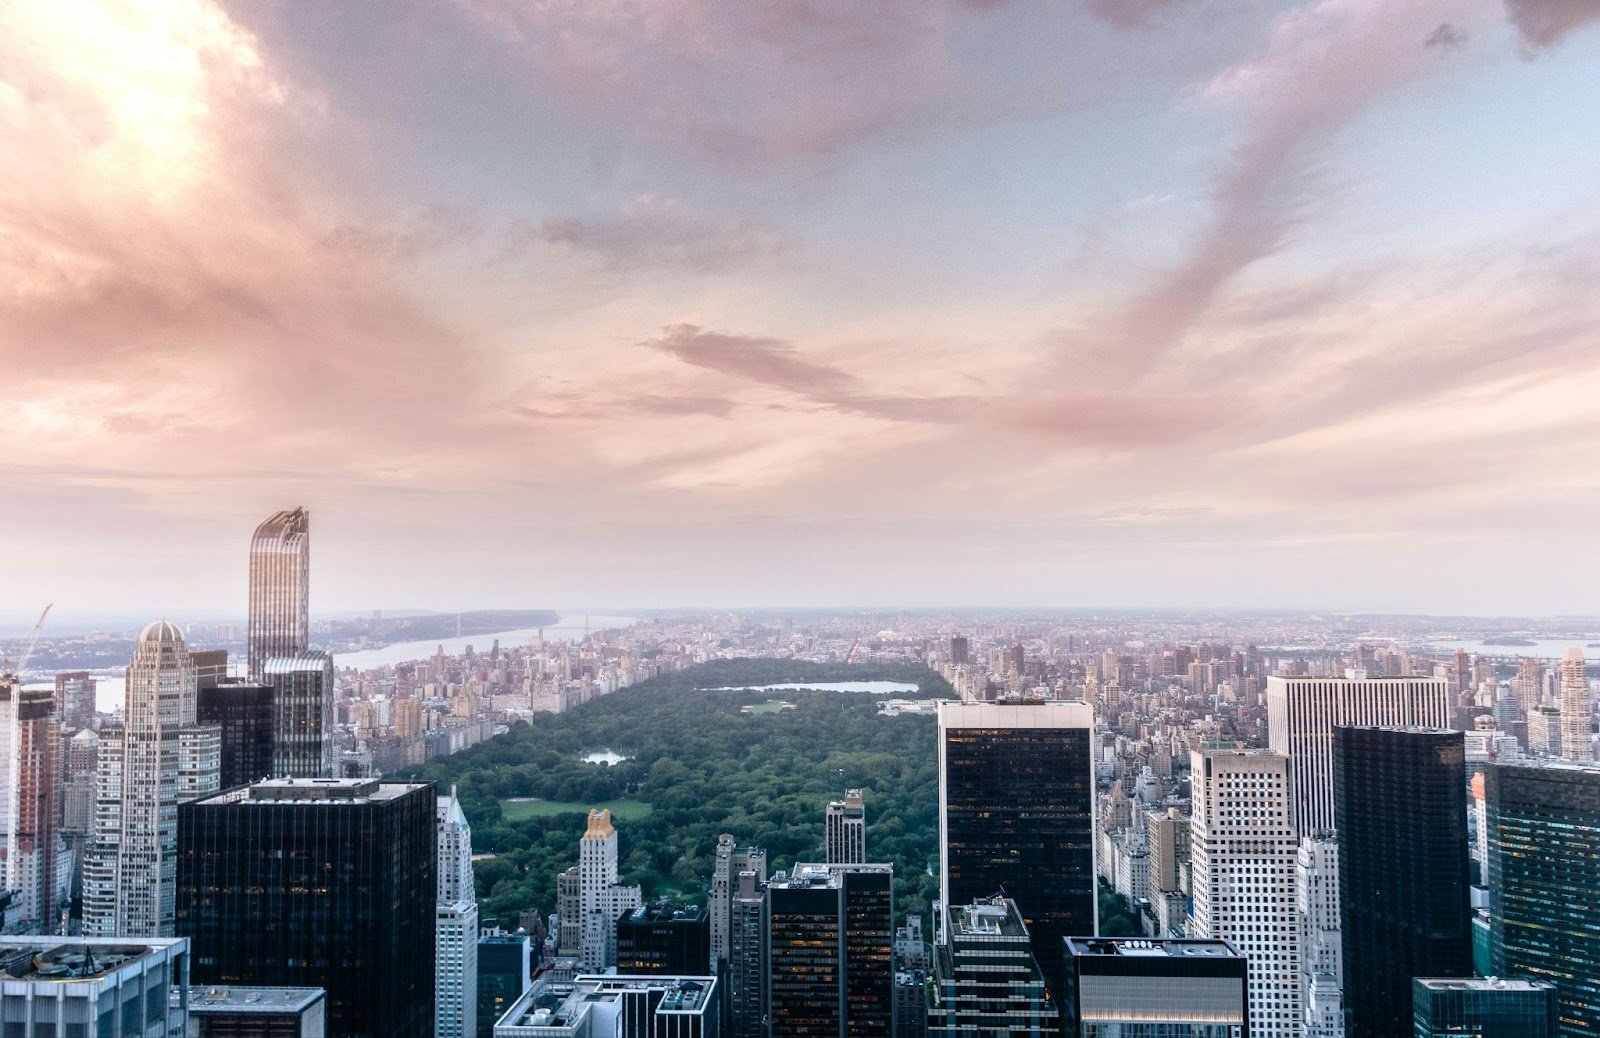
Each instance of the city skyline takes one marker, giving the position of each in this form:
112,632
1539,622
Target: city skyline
1113,303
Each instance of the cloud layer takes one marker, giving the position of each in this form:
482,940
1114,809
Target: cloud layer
772,307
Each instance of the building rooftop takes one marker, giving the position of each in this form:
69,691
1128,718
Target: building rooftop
314,791
78,958
1482,984
812,874
555,1007
666,912
1148,947
987,917
262,1001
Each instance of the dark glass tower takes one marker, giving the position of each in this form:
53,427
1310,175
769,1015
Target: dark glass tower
663,940
504,973
1400,807
244,712
326,883
1016,815
1544,871
830,941
1484,1008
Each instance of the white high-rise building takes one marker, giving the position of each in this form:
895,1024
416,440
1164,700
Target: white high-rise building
730,862
158,759
845,831
1577,733
1316,891
601,899
1303,712
1243,852
455,1012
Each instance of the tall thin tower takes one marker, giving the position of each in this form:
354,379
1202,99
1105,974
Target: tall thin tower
1577,739
31,804
846,830
280,580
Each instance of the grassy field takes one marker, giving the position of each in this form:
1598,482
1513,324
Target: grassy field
621,810
771,706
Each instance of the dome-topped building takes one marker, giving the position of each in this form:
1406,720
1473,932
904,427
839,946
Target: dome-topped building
162,631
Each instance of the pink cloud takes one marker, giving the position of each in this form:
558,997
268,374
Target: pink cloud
1545,23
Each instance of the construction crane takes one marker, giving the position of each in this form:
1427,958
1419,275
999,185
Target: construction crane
27,650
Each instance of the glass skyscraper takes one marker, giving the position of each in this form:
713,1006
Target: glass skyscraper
1016,815
1484,1008
302,714
1544,870
324,883
829,934
1400,805
280,578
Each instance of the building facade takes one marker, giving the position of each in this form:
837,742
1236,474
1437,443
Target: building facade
1479,1007
730,861
30,800
243,714
302,714
985,978
1316,897
601,899
1400,807
75,704
504,974
455,924
1544,869
746,962
1302,713
1016,814
829,952
161,757
317,883
845,830
94,986
1577,726
1244,851
279,626
663,940
1142,988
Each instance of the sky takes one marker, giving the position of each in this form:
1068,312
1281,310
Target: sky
560,303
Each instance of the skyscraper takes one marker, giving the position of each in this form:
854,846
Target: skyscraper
846,830
1243,850
29,736
280,578
601,899
324,883
302,705
1544,869
1400,805
455,925
747,971
1016,815
1478,1007
1528,683
159,758
830,960
985,978
663,940
1303,712
75,706
1316,896
504,973
730,861
1577,733
243,714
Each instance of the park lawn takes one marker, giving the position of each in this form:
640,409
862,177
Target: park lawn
621,810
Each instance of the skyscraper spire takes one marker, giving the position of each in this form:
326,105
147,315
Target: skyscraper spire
280,577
